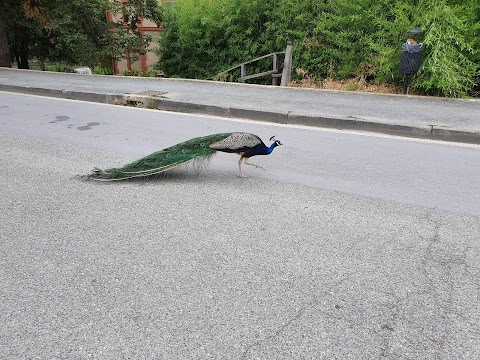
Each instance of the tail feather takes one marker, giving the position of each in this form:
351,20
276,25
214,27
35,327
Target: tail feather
117,174
197,150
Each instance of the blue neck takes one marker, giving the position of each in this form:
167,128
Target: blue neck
261,150
270,149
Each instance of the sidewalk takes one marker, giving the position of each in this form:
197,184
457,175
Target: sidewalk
412,116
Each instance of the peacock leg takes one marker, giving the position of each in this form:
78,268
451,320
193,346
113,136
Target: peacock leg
256,166
240,166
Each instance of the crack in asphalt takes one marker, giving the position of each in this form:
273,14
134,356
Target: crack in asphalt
438,265
437,274
297,315
388,328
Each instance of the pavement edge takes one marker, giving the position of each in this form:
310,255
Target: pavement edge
161,103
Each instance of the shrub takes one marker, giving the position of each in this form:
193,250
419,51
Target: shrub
339,39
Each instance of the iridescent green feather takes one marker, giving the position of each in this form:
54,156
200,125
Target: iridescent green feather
163,160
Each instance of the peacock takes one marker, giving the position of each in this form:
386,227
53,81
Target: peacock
194,150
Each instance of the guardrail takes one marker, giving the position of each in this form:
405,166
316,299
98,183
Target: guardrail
275,73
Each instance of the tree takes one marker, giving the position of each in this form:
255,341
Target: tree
125,38
4,50
5,59
18,30
76,31
56,30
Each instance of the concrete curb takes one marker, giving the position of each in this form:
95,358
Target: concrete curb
430,132
155,102
64,94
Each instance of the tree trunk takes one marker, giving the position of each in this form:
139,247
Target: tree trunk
5,59
23,59
22,50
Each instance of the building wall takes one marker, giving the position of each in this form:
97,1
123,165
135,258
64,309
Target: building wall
146,61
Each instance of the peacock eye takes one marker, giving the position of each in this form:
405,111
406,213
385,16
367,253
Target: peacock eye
202,144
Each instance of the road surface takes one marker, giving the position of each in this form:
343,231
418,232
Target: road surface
347,246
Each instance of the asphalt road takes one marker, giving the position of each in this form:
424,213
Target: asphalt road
348,246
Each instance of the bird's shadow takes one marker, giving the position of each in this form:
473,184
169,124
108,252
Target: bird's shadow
172,176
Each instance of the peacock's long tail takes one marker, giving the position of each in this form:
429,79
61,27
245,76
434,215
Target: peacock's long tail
196,149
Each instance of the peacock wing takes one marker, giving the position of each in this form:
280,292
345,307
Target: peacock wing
176,154
237,141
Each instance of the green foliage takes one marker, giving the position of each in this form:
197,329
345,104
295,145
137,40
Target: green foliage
102,70
125,36
76,31
452,63
56,30
361,38
194,43
73,31
60,68
21,31
216,34
337,39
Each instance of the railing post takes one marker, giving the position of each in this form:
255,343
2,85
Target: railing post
243,72
287,65
275,69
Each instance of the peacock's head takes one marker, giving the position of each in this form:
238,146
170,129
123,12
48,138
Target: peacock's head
275,142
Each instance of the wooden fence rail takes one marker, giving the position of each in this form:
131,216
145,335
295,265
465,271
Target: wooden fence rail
275,73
